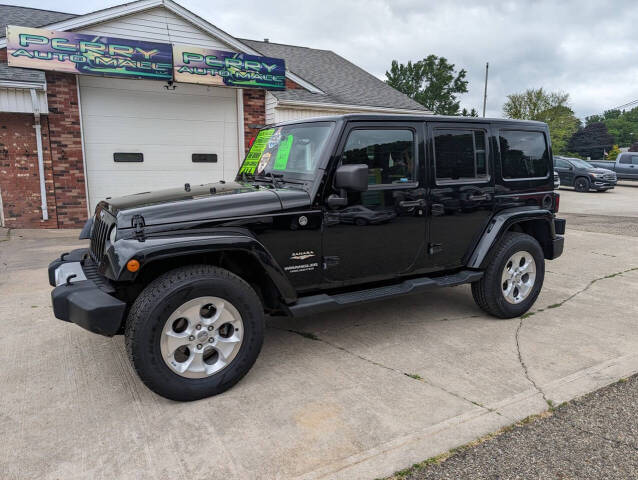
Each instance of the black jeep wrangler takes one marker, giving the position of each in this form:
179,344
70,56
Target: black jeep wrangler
323,213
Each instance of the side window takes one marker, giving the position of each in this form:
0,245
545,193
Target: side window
389,154
460,155
634,159
562,163
524,154
625,159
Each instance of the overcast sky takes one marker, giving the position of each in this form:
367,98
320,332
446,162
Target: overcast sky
587,49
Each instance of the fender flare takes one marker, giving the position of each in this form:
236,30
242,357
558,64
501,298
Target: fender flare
499,224
154,249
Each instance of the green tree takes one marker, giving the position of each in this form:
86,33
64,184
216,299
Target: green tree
471,113
432,82
613,153
591,141
530,103
549,107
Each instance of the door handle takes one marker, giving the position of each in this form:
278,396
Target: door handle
412,203
476,198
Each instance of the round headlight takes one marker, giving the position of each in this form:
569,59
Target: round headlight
112,235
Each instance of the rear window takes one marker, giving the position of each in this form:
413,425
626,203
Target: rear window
524,154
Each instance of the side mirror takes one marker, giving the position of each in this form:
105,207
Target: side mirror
353,178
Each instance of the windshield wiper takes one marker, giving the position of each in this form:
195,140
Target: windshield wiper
273,177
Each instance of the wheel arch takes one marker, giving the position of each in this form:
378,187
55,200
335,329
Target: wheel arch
536,223
242,255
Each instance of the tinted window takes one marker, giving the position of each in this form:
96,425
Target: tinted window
625,159
389,154
524,154
561,163
634,159
460,155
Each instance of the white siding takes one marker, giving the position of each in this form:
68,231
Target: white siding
18,100
271,106
156,25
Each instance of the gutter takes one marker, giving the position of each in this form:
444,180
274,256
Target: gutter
38,139
340,106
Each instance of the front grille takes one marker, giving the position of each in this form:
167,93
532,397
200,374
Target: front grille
102,223
610,177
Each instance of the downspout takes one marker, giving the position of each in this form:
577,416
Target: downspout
38,139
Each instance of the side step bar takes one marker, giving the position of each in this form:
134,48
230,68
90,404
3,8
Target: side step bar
324,302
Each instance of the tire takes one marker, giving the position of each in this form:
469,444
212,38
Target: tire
234,307
581,184
360,222
490,293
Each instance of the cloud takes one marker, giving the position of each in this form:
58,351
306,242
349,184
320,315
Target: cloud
581,47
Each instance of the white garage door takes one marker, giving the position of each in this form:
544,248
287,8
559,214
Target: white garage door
166,126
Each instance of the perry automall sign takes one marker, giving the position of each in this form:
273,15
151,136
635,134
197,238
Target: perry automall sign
216,67
97,55
89,54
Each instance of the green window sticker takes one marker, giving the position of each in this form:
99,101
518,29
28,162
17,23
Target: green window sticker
256,151
283,153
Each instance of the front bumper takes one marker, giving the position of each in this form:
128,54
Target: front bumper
84,299
598,184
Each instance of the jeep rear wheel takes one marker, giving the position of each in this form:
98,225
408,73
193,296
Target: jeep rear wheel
513,279
194,332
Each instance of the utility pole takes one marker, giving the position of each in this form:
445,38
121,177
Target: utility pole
487,66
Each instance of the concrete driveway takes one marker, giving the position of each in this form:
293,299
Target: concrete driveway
359,393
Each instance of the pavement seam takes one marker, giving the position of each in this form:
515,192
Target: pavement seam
312,336
555,305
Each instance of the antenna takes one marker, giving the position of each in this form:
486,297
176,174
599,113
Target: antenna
487,66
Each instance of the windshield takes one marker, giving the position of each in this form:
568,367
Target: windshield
580,163
291,150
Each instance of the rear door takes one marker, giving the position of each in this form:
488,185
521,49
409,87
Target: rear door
461,182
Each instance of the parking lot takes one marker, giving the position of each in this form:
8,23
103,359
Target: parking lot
359,393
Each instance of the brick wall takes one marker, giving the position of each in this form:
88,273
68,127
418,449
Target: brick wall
66,150
254,113
19,175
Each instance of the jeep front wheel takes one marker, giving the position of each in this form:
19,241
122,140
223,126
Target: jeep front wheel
194,332
513,279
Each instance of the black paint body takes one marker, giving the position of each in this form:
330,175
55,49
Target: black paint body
419,228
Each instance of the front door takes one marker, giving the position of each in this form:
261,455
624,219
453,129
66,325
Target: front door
380,233
462,190
565,171
628,166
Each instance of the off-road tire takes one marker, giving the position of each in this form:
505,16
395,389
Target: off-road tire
155,305
581,184
488,293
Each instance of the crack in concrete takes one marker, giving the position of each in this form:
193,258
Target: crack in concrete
555,305
312,336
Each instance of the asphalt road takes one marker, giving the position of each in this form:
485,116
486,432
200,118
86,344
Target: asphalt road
592,437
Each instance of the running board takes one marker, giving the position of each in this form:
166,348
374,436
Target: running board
324,302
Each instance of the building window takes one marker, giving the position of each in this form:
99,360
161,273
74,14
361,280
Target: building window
460,155
389,154
128,157
204,158
524,154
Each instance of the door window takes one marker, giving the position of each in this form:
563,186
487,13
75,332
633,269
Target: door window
389,154
634,159
524,154
625,159
560,163
460,155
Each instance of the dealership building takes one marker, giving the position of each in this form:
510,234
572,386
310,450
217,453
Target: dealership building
100,112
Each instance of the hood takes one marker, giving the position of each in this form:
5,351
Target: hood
203,202
600,170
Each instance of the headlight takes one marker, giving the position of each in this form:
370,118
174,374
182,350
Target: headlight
598,175
112,235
